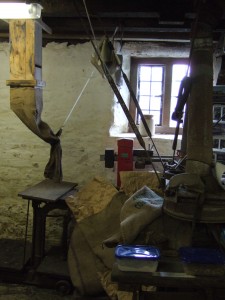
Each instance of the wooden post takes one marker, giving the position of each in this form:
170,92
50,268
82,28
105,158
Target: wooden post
26,71
26,50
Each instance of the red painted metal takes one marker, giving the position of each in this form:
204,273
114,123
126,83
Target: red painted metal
125,157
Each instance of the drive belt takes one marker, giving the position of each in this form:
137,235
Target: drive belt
125,110
140,113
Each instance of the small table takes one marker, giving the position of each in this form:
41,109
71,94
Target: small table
46,196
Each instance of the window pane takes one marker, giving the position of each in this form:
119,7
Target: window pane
157,117
145,73
222,144
144,88
150,83
144,102
155,104
175,89
223,114
145,111
157,74
216,113
179,71
216,143
173,104
156,88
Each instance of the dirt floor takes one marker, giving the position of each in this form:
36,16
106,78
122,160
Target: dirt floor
25,292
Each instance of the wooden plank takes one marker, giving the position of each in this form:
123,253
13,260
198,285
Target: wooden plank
18,49
166,279
47,190
26,49
30,50
25,83
28,97
26,103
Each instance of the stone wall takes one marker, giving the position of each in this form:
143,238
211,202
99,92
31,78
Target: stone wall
85,136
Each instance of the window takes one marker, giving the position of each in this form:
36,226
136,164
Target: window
219,113
156,84
150,90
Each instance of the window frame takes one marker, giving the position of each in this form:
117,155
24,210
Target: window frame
168,63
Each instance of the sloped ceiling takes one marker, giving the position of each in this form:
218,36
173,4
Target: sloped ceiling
127,20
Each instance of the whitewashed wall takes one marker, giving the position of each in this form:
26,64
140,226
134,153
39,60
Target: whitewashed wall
85,136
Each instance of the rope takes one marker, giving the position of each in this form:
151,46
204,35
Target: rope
87,82
75,103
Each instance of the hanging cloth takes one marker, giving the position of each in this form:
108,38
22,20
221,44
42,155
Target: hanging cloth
26,103
107,56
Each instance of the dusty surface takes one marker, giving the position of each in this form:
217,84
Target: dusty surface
25,292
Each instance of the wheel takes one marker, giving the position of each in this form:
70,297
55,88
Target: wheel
63,287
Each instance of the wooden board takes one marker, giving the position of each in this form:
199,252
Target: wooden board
25,50
164,277
47,190
25,102
25,83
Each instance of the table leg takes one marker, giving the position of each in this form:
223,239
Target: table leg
38,237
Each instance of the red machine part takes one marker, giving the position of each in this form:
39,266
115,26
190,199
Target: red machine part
125,157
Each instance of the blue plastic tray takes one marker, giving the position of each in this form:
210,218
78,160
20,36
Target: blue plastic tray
137,252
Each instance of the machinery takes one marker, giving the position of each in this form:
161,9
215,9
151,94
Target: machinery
127,158
196,194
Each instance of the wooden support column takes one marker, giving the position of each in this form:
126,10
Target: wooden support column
200,142
26,50
26,71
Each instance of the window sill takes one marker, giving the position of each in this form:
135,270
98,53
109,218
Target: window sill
155,136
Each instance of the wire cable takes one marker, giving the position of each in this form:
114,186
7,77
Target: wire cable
77,100
89,20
